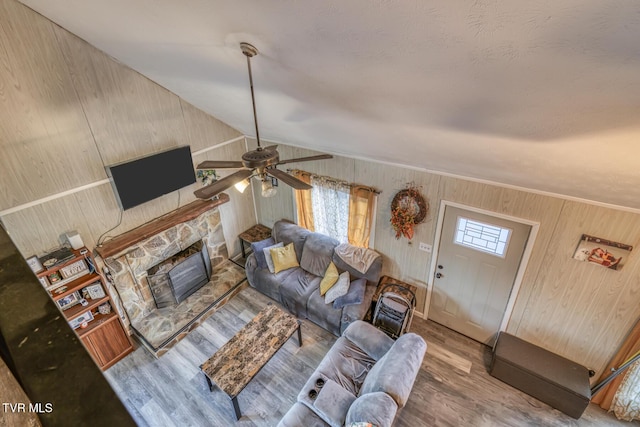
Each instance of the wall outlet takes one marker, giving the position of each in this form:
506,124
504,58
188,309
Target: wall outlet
425,247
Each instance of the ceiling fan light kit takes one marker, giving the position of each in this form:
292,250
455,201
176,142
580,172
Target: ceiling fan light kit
259,163
242,185
267,188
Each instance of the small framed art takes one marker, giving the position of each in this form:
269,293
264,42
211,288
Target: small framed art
69,301
602,252
83,318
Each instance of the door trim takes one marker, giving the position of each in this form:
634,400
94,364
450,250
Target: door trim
526,255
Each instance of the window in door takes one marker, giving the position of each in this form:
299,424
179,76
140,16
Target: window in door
481,236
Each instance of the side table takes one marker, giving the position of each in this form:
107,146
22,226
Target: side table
254,234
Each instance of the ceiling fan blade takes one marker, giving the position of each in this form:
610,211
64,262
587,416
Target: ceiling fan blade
220,164
270,147
306,159
222,184
288,179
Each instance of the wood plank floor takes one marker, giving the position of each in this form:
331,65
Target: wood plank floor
453,387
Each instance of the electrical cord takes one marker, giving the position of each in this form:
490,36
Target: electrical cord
100,241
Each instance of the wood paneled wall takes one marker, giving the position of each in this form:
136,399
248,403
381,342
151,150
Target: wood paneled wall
67,110
575,309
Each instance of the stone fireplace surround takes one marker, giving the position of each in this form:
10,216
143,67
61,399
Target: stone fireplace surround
128,259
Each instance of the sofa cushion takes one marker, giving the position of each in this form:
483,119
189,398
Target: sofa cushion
267,255
329,278
370,339
287,232
339,289
317,252
346,364
284,258
323,314
296,289
396,371
355,295
257,248
377,408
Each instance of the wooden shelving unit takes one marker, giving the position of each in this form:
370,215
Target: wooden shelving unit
102,334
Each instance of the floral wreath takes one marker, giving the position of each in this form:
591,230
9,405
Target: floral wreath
408,208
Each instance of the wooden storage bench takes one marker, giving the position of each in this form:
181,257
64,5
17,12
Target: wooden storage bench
554,380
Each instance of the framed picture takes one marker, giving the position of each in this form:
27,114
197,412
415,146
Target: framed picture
602,252
44,281
83,318
34,264
94,291
69,301
75,269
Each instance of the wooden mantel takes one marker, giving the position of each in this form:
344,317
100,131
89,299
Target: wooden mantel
151,228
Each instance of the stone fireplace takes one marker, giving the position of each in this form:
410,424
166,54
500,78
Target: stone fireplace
177,277
192,236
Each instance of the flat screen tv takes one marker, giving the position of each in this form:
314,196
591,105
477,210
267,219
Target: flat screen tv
140,180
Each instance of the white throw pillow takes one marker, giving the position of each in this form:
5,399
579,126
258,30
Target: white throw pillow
267,256
339,289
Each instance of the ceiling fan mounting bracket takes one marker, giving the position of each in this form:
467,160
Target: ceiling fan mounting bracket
248,49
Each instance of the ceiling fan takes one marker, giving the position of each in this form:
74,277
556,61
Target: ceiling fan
259,163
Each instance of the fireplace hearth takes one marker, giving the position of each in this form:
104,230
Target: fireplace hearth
158,246
179,276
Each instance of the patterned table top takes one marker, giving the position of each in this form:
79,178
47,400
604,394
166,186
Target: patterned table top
233,366
256,233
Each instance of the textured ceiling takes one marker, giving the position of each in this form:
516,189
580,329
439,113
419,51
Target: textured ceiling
543,95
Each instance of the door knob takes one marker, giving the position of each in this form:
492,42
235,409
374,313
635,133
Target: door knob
439,275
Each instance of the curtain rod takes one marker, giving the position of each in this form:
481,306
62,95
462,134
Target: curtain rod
337,181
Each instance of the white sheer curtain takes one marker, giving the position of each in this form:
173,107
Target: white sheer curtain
330,200
626,402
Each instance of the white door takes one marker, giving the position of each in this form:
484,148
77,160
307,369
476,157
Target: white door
478,259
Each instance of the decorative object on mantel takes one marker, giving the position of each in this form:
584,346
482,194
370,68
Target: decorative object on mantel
602,252
408,208
207,177
259,163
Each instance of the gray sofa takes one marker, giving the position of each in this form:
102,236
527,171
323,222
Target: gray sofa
366,377
297,289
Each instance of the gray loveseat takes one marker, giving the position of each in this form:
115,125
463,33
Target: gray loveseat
297,289
365,378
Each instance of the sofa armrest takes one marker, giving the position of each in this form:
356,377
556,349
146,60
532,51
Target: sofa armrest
396,372
368,338
376,408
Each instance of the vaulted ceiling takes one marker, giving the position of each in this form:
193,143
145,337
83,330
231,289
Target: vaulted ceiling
538,94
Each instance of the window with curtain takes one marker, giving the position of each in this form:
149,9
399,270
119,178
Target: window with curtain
338,209
330,207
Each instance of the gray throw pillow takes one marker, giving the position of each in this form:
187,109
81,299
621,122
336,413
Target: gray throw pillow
339,289
257,248
354,296
267,256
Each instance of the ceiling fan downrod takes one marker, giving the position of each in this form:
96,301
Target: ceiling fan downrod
250,51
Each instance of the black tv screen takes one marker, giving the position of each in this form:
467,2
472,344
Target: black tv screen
138,181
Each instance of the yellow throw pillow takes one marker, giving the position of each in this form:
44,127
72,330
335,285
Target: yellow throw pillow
284,258
330,278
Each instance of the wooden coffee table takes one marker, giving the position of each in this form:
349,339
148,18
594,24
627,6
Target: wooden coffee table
235,364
